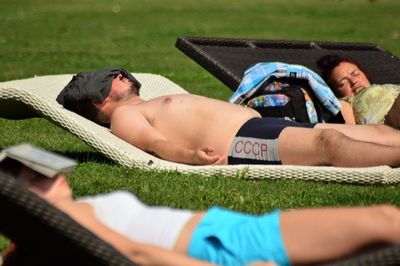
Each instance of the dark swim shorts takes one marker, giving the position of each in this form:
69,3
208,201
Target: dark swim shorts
257,141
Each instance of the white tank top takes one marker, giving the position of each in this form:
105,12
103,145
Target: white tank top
127,215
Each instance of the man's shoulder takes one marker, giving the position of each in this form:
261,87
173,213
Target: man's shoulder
125,109
124,113
123,119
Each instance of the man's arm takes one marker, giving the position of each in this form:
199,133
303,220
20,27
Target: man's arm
133,127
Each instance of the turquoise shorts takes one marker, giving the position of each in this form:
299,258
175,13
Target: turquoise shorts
230,238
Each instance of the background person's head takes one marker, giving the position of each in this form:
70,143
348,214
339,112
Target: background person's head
53,189
88,93
343,75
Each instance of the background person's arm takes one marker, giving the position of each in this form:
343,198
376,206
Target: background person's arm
347,112
133,127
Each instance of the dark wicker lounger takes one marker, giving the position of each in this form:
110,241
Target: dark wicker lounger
227,59
49,234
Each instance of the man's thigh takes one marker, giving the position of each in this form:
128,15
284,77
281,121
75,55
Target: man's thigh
300,146
257,141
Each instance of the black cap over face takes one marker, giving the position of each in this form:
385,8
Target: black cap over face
94,86
87,88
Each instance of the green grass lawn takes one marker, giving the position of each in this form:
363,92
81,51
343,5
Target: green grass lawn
39,37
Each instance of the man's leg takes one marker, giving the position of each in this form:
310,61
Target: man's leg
317,146
313,235
379,134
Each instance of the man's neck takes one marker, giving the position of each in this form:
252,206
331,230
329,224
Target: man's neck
132,100
108,109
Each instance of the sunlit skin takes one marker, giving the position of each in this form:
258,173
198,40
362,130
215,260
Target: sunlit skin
309,235
349,79
57,191
54,189
197,130
121,92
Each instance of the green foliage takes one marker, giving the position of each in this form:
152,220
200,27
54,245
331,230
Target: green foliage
41,37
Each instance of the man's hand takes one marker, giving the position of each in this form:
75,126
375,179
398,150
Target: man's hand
202,156
223,159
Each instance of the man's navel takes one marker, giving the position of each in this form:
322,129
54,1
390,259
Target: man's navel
167,99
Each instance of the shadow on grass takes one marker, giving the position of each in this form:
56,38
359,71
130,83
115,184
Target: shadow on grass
80,157
84,157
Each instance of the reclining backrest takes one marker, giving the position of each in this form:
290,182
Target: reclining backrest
227,59
46,233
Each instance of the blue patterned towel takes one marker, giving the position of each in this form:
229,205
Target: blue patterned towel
257,74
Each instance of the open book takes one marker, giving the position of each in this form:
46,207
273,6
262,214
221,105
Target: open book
39,160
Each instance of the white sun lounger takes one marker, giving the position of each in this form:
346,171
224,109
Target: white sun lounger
36,97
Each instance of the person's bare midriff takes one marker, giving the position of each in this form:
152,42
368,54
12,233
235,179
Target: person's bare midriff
195,121
183,241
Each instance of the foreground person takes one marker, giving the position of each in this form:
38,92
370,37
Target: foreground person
196,130
217,235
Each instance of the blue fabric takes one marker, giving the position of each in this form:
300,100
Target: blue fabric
255,76
230,238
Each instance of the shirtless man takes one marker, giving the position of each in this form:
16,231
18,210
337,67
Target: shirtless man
196,130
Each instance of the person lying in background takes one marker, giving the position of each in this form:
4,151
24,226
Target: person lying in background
198,130
217,235
362,102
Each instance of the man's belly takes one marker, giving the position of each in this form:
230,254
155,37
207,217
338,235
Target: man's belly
219,137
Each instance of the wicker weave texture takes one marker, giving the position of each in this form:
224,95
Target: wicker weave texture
39,93
227,59
384,256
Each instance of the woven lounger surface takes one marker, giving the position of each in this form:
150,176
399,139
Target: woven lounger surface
36,96
227,59
26,218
